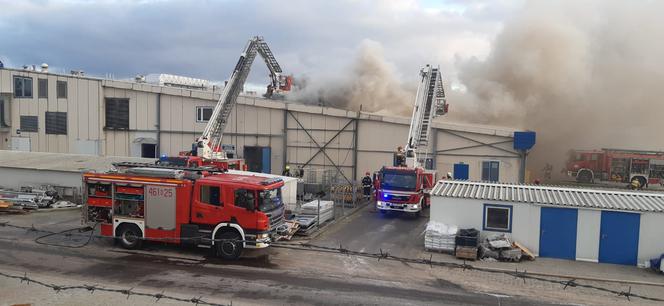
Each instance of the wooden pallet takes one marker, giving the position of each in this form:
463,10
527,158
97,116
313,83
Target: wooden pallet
466,253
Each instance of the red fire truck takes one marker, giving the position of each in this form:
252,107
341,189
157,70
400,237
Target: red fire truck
617,165
190,206
405,187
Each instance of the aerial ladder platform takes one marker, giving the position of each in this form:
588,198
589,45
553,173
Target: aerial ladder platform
208,145
430,102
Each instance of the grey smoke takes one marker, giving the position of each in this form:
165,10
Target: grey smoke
582,74
370,83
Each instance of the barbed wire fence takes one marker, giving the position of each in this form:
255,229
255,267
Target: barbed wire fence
564,282
94,288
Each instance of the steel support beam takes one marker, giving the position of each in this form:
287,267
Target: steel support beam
285,140
480,155
355,142
474,146
321,148
481,144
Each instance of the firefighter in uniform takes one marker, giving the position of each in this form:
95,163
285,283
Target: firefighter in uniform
366,185
401,157
286,171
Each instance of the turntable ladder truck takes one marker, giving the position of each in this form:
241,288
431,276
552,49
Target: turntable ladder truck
405,186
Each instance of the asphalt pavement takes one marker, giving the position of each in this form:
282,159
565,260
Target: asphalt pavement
371,231
276,276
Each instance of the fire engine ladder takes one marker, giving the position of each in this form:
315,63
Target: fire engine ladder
128,165
429,103
214,130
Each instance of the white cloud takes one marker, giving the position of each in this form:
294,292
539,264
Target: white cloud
204,38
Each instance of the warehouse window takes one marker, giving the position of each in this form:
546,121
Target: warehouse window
42,88
29,124
490,171
22,87
211,195
56,123
62,89
497,218
203,113
117,113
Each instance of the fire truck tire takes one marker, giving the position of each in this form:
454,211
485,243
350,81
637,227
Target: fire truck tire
584,176
129,236
231,249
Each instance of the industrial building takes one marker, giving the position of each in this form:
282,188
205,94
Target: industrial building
73,113
605,226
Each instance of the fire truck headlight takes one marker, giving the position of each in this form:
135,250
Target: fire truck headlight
415,206
262,236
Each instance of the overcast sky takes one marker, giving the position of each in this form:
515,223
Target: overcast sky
204,38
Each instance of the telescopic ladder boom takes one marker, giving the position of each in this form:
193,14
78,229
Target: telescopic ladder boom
209,142
430,102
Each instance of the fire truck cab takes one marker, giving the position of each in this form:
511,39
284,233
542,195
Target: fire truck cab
190,206
404,189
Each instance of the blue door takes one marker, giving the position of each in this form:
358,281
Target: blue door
558,232
619,237
461,171
267,160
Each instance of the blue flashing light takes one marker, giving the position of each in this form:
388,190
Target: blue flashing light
163,157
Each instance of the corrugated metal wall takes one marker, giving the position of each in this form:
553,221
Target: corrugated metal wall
352,143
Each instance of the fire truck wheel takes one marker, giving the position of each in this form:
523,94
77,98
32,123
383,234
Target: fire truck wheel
231,248
129,236
584,176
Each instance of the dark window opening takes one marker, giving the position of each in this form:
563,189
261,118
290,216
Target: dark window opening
29,124
498,218
42,88
148,150
117,113
62,89
211,195
245,199
203,113
22,87
490,170
56,123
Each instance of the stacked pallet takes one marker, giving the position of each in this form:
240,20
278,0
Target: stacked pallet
325,213
307,224
440,237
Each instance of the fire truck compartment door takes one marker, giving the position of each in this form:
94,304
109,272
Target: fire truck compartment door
160,207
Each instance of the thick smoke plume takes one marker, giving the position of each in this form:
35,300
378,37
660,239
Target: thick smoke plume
581,74
370,84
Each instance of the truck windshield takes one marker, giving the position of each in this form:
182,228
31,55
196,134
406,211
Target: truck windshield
269,199
398,181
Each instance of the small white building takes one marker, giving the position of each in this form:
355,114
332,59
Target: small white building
620,227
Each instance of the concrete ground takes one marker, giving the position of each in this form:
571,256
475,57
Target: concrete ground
284,276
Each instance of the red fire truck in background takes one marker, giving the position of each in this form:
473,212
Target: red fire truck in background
617,165
190,206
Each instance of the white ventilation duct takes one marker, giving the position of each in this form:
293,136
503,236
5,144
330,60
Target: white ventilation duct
44,68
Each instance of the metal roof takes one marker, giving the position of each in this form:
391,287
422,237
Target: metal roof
551,195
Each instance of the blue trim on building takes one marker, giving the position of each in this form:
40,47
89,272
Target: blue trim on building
510,221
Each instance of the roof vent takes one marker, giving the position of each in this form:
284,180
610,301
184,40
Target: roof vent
44,68
77,72
140,78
